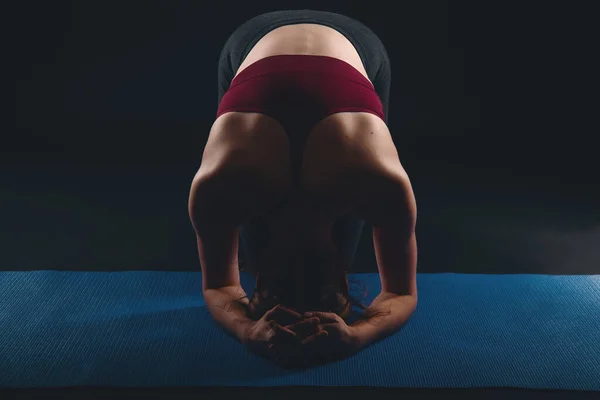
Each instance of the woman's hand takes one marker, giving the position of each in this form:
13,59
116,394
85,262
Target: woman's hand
262,335
321,338
341,340
293,340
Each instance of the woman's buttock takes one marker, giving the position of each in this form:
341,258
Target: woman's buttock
305,39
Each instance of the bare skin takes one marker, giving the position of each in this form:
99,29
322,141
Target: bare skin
307,39
298,224
349,163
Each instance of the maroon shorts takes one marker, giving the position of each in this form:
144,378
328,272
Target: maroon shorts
300,90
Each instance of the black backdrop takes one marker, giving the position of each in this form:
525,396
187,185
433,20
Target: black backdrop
489,88
493,111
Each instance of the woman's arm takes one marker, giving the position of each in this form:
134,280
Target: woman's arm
390,312
218,244
229,308
397,260
224,296
395,244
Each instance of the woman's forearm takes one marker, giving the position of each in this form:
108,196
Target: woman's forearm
388,313
229,308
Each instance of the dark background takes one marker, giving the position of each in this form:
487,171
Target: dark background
492,109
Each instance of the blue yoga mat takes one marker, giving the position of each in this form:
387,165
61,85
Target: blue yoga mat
152,329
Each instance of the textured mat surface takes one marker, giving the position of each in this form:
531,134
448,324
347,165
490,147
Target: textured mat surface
151,329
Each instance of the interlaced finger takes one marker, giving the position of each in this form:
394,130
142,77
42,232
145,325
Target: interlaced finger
283,316
306,327
315,338
281,334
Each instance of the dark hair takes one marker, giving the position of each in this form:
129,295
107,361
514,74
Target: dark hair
325,284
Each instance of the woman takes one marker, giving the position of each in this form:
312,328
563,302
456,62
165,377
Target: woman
298,156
